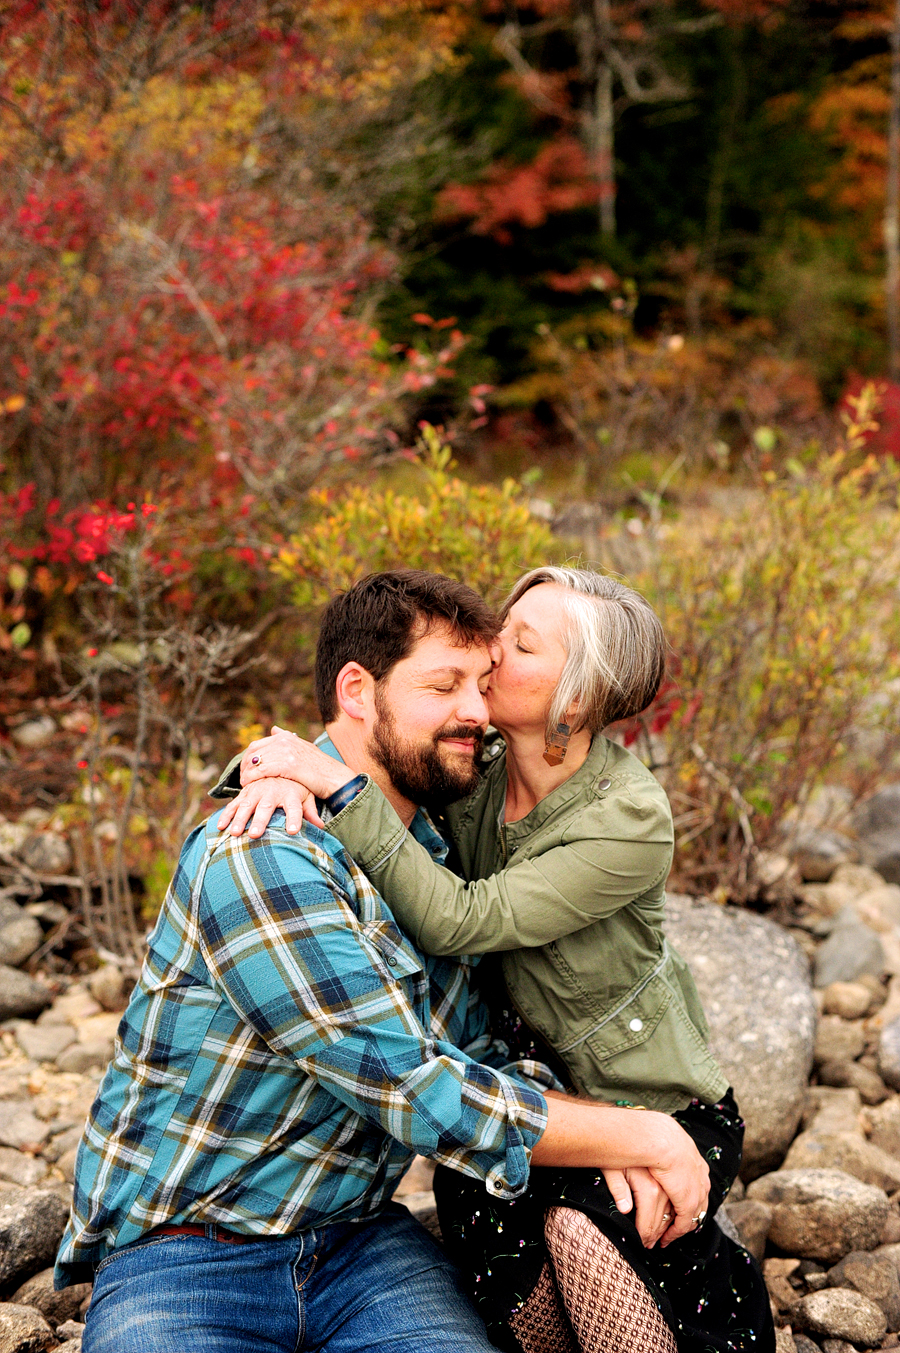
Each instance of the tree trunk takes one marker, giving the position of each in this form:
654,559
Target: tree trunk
603,138
892,207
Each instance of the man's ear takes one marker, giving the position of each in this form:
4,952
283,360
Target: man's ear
355,690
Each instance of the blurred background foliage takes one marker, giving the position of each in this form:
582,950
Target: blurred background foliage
289,291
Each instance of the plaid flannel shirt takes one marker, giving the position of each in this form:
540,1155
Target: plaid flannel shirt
284,1053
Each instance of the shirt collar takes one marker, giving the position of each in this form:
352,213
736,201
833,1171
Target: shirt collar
421,828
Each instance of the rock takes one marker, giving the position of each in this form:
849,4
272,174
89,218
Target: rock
49,913
63,1143
837,1040
19,937
817,854
879,813
21,996
832,1110
71,1329
884,1126
829,899
784,1340
31,1225
869,1085
55,1307
34,734
822,1214
875,1275
24,1330
847,1151
882,851
858,877
849,1000
889,1053
19,1126
17,1167
804,1345
851,949
751,1220
731,951
107,985
44,1042
418,1178
80,1057
47,853
842,1313
880,907
12,834
78,1004
834,1346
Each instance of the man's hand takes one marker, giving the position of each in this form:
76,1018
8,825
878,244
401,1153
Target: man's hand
259,801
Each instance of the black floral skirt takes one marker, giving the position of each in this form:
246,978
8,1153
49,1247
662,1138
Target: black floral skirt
708,1289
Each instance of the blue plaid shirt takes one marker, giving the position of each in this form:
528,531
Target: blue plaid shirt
285,1052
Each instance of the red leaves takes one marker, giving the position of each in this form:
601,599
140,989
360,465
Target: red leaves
558,179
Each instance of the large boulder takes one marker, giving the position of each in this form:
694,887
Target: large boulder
822,1214
31,1225
753,979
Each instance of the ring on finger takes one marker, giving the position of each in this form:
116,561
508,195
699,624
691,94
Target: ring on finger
667,1216
700,1218
255,760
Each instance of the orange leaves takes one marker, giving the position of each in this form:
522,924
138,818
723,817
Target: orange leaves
558,179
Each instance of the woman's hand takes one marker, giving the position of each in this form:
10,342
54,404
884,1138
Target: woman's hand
683,1175
292,758
260,800
635,1187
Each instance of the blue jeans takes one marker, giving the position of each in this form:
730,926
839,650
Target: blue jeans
378,1284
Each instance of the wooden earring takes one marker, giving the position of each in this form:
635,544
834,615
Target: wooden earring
557,745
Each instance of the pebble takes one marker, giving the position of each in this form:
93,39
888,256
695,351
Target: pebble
107,986
837,1040
47,853
875,1276
35,733
24,1330
20,936
31,1225
842,1313
822,1214
883,1122
20,995
849,1000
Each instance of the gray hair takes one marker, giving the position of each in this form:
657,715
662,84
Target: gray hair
615,647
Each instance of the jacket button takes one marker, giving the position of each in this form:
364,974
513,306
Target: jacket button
604,784
636,1025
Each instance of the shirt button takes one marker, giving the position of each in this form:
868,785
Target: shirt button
636,1025
392,961
604,784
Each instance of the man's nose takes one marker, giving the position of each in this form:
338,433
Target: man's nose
472,707
496,653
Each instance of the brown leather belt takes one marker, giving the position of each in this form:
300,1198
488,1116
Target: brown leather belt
212,1232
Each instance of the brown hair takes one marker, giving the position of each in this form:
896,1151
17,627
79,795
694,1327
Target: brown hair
378,620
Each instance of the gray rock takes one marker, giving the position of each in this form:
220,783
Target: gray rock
834,1346
851,949
18,1167
731,952
818,853
21,996
35,733
49,913
47,853
55,1307
63,1142
804,1345
882,851
19,937
24,1330
875,1275
838,1040
847,1151
869,1085
44,1042
832,1110
822,1214
19,1126
31,1225
842,1313
879,813
751,1219
107,986
889,1053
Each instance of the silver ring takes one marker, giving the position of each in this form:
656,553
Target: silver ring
255,760
700,1218
667,1216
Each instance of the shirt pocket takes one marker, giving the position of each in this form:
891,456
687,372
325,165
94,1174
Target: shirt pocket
391,953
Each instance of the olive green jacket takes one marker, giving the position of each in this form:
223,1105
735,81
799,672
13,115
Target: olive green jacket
576,909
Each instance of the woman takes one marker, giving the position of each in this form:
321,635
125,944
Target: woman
567,844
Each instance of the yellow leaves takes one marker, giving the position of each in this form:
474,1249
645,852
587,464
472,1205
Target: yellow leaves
13,403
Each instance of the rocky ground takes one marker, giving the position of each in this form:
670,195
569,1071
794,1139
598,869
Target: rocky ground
804,1013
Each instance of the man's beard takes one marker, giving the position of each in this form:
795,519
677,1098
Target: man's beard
419,773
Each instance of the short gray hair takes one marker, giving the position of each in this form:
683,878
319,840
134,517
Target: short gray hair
615,647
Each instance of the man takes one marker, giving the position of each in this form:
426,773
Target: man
287,1050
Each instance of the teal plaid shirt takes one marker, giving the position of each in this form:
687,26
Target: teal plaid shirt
284,1053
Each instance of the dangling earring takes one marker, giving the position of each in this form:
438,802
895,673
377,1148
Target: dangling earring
557,745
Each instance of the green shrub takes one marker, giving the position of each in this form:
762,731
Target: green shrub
481,534
785,629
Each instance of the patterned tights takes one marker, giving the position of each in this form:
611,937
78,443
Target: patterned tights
592,1301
